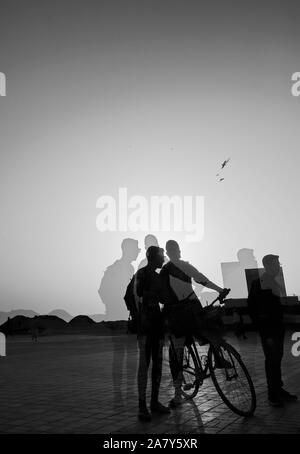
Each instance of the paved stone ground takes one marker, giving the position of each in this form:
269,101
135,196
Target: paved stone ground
85,384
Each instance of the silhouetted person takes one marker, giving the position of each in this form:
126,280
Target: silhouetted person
239,326
267,315
34,330
150,240
150,331
34,334
185,318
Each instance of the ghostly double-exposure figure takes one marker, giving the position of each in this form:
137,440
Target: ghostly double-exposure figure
2,344
234,275
150,240
115,280
112,290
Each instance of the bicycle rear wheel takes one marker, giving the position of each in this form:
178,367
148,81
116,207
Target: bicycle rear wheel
231,379
191,373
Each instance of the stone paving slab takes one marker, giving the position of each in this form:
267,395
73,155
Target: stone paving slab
87,385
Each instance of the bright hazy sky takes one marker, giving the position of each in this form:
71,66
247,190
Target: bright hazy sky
152,96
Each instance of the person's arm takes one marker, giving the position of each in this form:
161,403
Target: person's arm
201,279
166,294
139,285
212,286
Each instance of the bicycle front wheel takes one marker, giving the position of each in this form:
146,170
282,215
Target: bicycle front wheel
231,379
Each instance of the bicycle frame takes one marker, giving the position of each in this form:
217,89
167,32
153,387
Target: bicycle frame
203,374
191,342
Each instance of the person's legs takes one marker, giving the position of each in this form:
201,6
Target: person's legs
144,361
244,332
117,368
179,321
236,330
156,352
175,356
131,365
175,361
283,394
279,347
273,351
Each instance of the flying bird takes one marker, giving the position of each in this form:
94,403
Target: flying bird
225,163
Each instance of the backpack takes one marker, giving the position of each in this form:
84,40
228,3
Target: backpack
130,301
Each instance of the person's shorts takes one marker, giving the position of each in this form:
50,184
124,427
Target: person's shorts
190,318
184,318
150,323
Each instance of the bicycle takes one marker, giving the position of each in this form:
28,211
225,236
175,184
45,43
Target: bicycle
223,364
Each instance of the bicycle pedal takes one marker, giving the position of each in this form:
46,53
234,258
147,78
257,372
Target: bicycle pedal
188,387
232,377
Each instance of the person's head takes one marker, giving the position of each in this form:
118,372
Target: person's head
173,250
130,249
271,264
155,256
150,240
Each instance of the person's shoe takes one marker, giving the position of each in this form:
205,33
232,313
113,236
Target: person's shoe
157,407
221,363
275,402
285,395
144,414
176,401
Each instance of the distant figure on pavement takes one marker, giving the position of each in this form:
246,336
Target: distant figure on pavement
34,334
34,330
239,326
